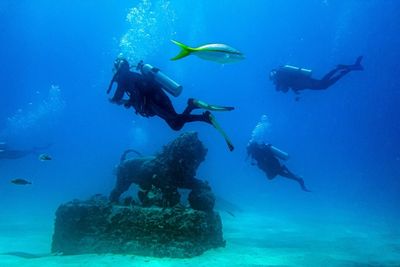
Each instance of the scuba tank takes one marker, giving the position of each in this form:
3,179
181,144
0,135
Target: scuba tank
163,80
295,71
279,153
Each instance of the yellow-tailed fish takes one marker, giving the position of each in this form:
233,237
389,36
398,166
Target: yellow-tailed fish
220,53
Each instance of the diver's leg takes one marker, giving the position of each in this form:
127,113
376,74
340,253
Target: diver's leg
178,121
356,66
331,73
328,80
333,76
190,106
288,174
161,106
333,80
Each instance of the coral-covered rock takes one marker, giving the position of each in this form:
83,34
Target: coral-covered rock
97,226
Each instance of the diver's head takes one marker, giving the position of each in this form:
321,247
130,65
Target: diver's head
121,65
251,146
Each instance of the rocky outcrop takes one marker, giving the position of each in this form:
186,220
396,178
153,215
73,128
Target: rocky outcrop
98,226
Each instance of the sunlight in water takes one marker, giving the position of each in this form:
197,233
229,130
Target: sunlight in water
150,26
36,116
261,131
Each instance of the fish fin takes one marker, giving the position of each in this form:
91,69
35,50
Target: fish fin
185,50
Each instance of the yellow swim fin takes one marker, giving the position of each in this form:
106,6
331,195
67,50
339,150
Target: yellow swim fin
201,104
221,131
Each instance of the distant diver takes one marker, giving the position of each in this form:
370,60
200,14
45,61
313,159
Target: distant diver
220,53
147,97
267,158
289,77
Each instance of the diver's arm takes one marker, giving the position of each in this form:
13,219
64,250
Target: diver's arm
118,95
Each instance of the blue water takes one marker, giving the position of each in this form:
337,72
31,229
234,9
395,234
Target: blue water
56,65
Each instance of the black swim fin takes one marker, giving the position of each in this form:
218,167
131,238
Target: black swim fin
356,66
201,104
214,123
302,185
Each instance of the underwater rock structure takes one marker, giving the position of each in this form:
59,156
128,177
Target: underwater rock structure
159,225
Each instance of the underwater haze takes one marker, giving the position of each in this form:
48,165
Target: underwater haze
57,61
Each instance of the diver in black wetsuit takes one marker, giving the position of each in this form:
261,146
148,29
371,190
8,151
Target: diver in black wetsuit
270,164
289,77
148,99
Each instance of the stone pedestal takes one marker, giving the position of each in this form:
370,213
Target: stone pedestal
97,226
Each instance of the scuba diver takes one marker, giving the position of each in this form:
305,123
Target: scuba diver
289,77
146,95
267,156
267,160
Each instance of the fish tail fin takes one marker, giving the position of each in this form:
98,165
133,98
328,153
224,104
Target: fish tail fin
185,50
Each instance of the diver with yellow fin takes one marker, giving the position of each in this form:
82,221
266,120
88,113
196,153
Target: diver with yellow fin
145,91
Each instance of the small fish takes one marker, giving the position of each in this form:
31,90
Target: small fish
19,181
44,157
220,53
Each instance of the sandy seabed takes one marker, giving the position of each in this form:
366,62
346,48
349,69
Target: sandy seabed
251,240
